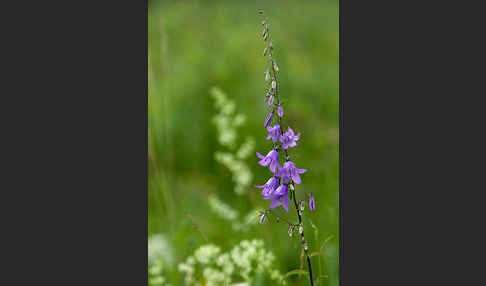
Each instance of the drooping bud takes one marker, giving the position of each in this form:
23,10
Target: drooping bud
265,51
270,100
269,119
280,111
302,205
312,203
262,218
267,75
274,84
275,67
291,230
301,229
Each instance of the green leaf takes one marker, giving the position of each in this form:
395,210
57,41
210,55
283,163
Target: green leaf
295,272
327,239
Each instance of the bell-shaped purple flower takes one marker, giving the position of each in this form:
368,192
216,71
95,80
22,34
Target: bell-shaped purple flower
273,132
289,170
280,111
269,188
270,160
312,203
281,197
269,119
288,139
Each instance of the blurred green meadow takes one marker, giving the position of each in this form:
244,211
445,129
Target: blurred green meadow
194,46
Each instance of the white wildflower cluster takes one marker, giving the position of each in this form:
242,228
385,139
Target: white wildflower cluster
159,249
159,255
246,149
223,210
241,174
226,122
208,266
155,275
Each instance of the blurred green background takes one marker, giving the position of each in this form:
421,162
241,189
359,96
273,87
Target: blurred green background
195,45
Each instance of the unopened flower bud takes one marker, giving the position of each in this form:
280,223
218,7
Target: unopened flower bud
312,203
267,75
291,230
275,67
262,218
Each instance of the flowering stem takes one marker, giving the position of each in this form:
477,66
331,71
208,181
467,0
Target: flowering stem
287,157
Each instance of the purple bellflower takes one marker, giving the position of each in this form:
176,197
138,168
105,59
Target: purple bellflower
289,170
273,133
281,197
312,203
270,160
269,188
288,139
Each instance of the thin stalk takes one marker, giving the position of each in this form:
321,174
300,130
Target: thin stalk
287,157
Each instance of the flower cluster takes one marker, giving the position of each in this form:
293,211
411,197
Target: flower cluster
244,262
160,257
227,122
277,187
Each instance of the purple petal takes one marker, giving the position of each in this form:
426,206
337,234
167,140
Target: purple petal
260,155
300,171
285,202
296,178
280,111
285,178
267,197
275,203
273,166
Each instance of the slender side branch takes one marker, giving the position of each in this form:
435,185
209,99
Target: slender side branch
196,227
